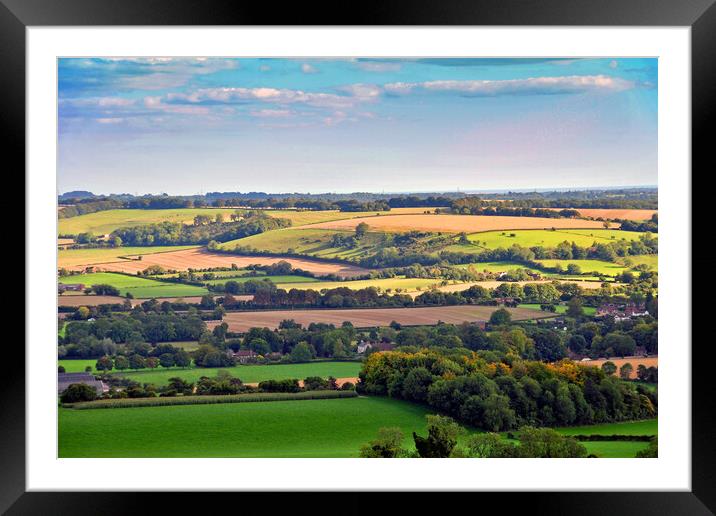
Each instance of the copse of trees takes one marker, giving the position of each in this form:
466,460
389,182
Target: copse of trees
504,395
204,230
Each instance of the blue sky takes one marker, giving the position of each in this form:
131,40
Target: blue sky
192,125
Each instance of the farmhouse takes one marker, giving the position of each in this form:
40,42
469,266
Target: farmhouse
74,287
622,311
64,380
245,356
364,346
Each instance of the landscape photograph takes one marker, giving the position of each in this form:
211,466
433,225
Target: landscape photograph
357,257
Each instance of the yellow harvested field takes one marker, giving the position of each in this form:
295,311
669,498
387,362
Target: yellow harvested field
634,361
456,223
199,258
613,213
300,218
459,287
371,317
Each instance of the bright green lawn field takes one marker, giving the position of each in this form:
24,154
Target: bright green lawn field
77,365
588,310
75,257
137,286
542,237
253,373
306,428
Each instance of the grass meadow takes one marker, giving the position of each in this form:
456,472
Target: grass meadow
311,428
542,237
251,373
139,287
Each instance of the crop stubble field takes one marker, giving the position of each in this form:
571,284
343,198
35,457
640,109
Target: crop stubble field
199,258
371,317
457,223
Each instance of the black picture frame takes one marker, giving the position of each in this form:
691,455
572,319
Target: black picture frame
700,15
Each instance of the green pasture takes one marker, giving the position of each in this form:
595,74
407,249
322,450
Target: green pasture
250,373
138,286
561,309
587,266
652,260
645,427
541,237
310,428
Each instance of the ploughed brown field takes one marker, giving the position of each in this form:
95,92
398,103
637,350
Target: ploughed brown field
634,361
83,300
199,258
613,213
457,223
369,317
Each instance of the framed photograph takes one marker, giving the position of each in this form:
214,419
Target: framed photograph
307,258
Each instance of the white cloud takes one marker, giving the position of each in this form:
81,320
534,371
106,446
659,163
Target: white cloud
370,66
271,113
268,95
530,86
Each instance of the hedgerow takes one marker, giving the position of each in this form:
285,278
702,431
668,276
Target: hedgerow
203,400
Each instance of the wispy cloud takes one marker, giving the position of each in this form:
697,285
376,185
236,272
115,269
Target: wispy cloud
531,86
307,68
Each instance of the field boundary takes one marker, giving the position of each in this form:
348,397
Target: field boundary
209,400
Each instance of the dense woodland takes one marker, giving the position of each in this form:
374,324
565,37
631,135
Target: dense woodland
501,396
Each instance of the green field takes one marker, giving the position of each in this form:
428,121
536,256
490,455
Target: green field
311,242
139,287
587,266
292,278
652,260
615,449
542,237
252,373
494,266
104,222
403,283
312,428
561,309
75,257
646,427
77,365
